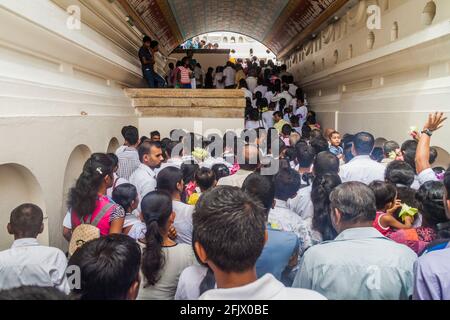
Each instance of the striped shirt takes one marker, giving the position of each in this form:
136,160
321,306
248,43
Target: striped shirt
185,78
128,162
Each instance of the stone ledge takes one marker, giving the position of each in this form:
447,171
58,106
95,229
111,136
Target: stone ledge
180,103
184,93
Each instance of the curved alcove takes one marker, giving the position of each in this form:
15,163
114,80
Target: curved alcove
113,145
74,167
428,13
17,186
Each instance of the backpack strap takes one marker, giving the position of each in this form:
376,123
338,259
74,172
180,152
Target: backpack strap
101,214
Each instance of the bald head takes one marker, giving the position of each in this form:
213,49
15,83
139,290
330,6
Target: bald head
251,157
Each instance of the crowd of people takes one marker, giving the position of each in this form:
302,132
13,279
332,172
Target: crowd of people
178,218
284,209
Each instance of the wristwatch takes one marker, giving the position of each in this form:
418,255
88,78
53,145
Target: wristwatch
428,132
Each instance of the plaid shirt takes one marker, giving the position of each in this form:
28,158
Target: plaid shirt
128,162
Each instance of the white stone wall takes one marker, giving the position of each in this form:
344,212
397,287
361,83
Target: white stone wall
61,98
382,80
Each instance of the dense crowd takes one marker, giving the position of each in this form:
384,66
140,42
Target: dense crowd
284,209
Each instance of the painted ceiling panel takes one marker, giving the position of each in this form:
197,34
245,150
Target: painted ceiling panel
275,23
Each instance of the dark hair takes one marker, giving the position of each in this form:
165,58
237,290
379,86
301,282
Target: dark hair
447,181
433,155
355,201
408,149
406,195
131,135
32,293
124,194
154,44
114,159
167,179
319,144
230,226
431,202
390,146
109,266
325,162
220,170
146,147
384,193
322,187
154,134
156,210
377,154
399,172
363,142
205,178
26,220
305,154
287,183
83,196
188,171
254,115
262,188
294,120
278,113
147,39
286,129
306,131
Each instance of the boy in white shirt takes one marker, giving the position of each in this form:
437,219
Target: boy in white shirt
27,263
230,233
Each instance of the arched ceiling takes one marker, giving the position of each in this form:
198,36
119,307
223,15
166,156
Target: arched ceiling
277,24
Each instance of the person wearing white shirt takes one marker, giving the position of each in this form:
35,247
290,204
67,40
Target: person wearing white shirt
267,117
252,82
283,95
230,76
128,158
27,263
287,182
248,164
261,88
218,82
170,179
227,223
300,110
293,89
144,178
362,168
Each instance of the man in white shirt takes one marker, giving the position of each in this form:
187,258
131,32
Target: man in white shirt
228,222
248,159
27,263
252,81
230,76
283,95
362,168
144,178
287,182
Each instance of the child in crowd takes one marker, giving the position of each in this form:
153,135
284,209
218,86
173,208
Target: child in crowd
267,113
335,144
387,204
286,131
295,122
205,179
287,114
127,197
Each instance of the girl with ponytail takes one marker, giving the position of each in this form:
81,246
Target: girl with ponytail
322,187
163,259
87,198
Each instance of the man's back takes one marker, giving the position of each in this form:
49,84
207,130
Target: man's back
362,169
277,252
359,264
128,162
27,263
